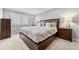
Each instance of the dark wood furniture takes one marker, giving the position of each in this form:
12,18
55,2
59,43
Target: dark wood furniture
43,44
5,28
65,34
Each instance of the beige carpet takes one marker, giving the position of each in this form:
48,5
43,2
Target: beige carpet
15,43
61,44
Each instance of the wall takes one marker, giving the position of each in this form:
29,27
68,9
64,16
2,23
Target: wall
62,13
18,20
1,11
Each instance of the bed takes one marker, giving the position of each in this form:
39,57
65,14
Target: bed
35,43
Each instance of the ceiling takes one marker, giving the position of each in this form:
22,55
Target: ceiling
32,11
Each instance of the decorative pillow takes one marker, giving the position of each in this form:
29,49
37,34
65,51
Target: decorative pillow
53,24
48,24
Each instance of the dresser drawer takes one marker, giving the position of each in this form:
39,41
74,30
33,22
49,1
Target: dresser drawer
65,34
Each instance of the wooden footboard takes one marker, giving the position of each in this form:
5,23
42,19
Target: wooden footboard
37,46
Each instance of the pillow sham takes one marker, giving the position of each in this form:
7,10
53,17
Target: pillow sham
48,24
38,24
53,24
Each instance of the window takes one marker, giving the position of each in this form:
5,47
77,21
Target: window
15,19
24,20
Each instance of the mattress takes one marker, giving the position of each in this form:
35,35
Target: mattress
38,33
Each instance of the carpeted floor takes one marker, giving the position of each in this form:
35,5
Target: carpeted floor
15,43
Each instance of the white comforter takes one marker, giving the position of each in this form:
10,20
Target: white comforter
39,33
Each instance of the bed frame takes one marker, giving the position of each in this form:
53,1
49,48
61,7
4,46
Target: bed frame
43,44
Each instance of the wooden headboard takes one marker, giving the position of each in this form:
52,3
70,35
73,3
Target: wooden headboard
51,20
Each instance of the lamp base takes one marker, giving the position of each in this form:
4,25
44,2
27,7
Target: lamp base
68,26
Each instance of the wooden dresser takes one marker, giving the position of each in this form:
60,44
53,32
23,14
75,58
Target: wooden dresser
65,34
5,28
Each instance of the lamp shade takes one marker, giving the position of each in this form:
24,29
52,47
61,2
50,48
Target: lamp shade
68,19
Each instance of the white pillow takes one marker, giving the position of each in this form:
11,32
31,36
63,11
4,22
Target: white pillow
53,24
38,24
48,24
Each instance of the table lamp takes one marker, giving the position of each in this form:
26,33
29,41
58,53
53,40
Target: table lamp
68,20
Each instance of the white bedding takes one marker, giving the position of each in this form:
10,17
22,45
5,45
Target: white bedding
39,33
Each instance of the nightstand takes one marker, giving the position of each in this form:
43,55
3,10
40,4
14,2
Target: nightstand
65,34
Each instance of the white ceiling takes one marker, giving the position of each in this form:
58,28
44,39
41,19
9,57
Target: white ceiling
32,11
